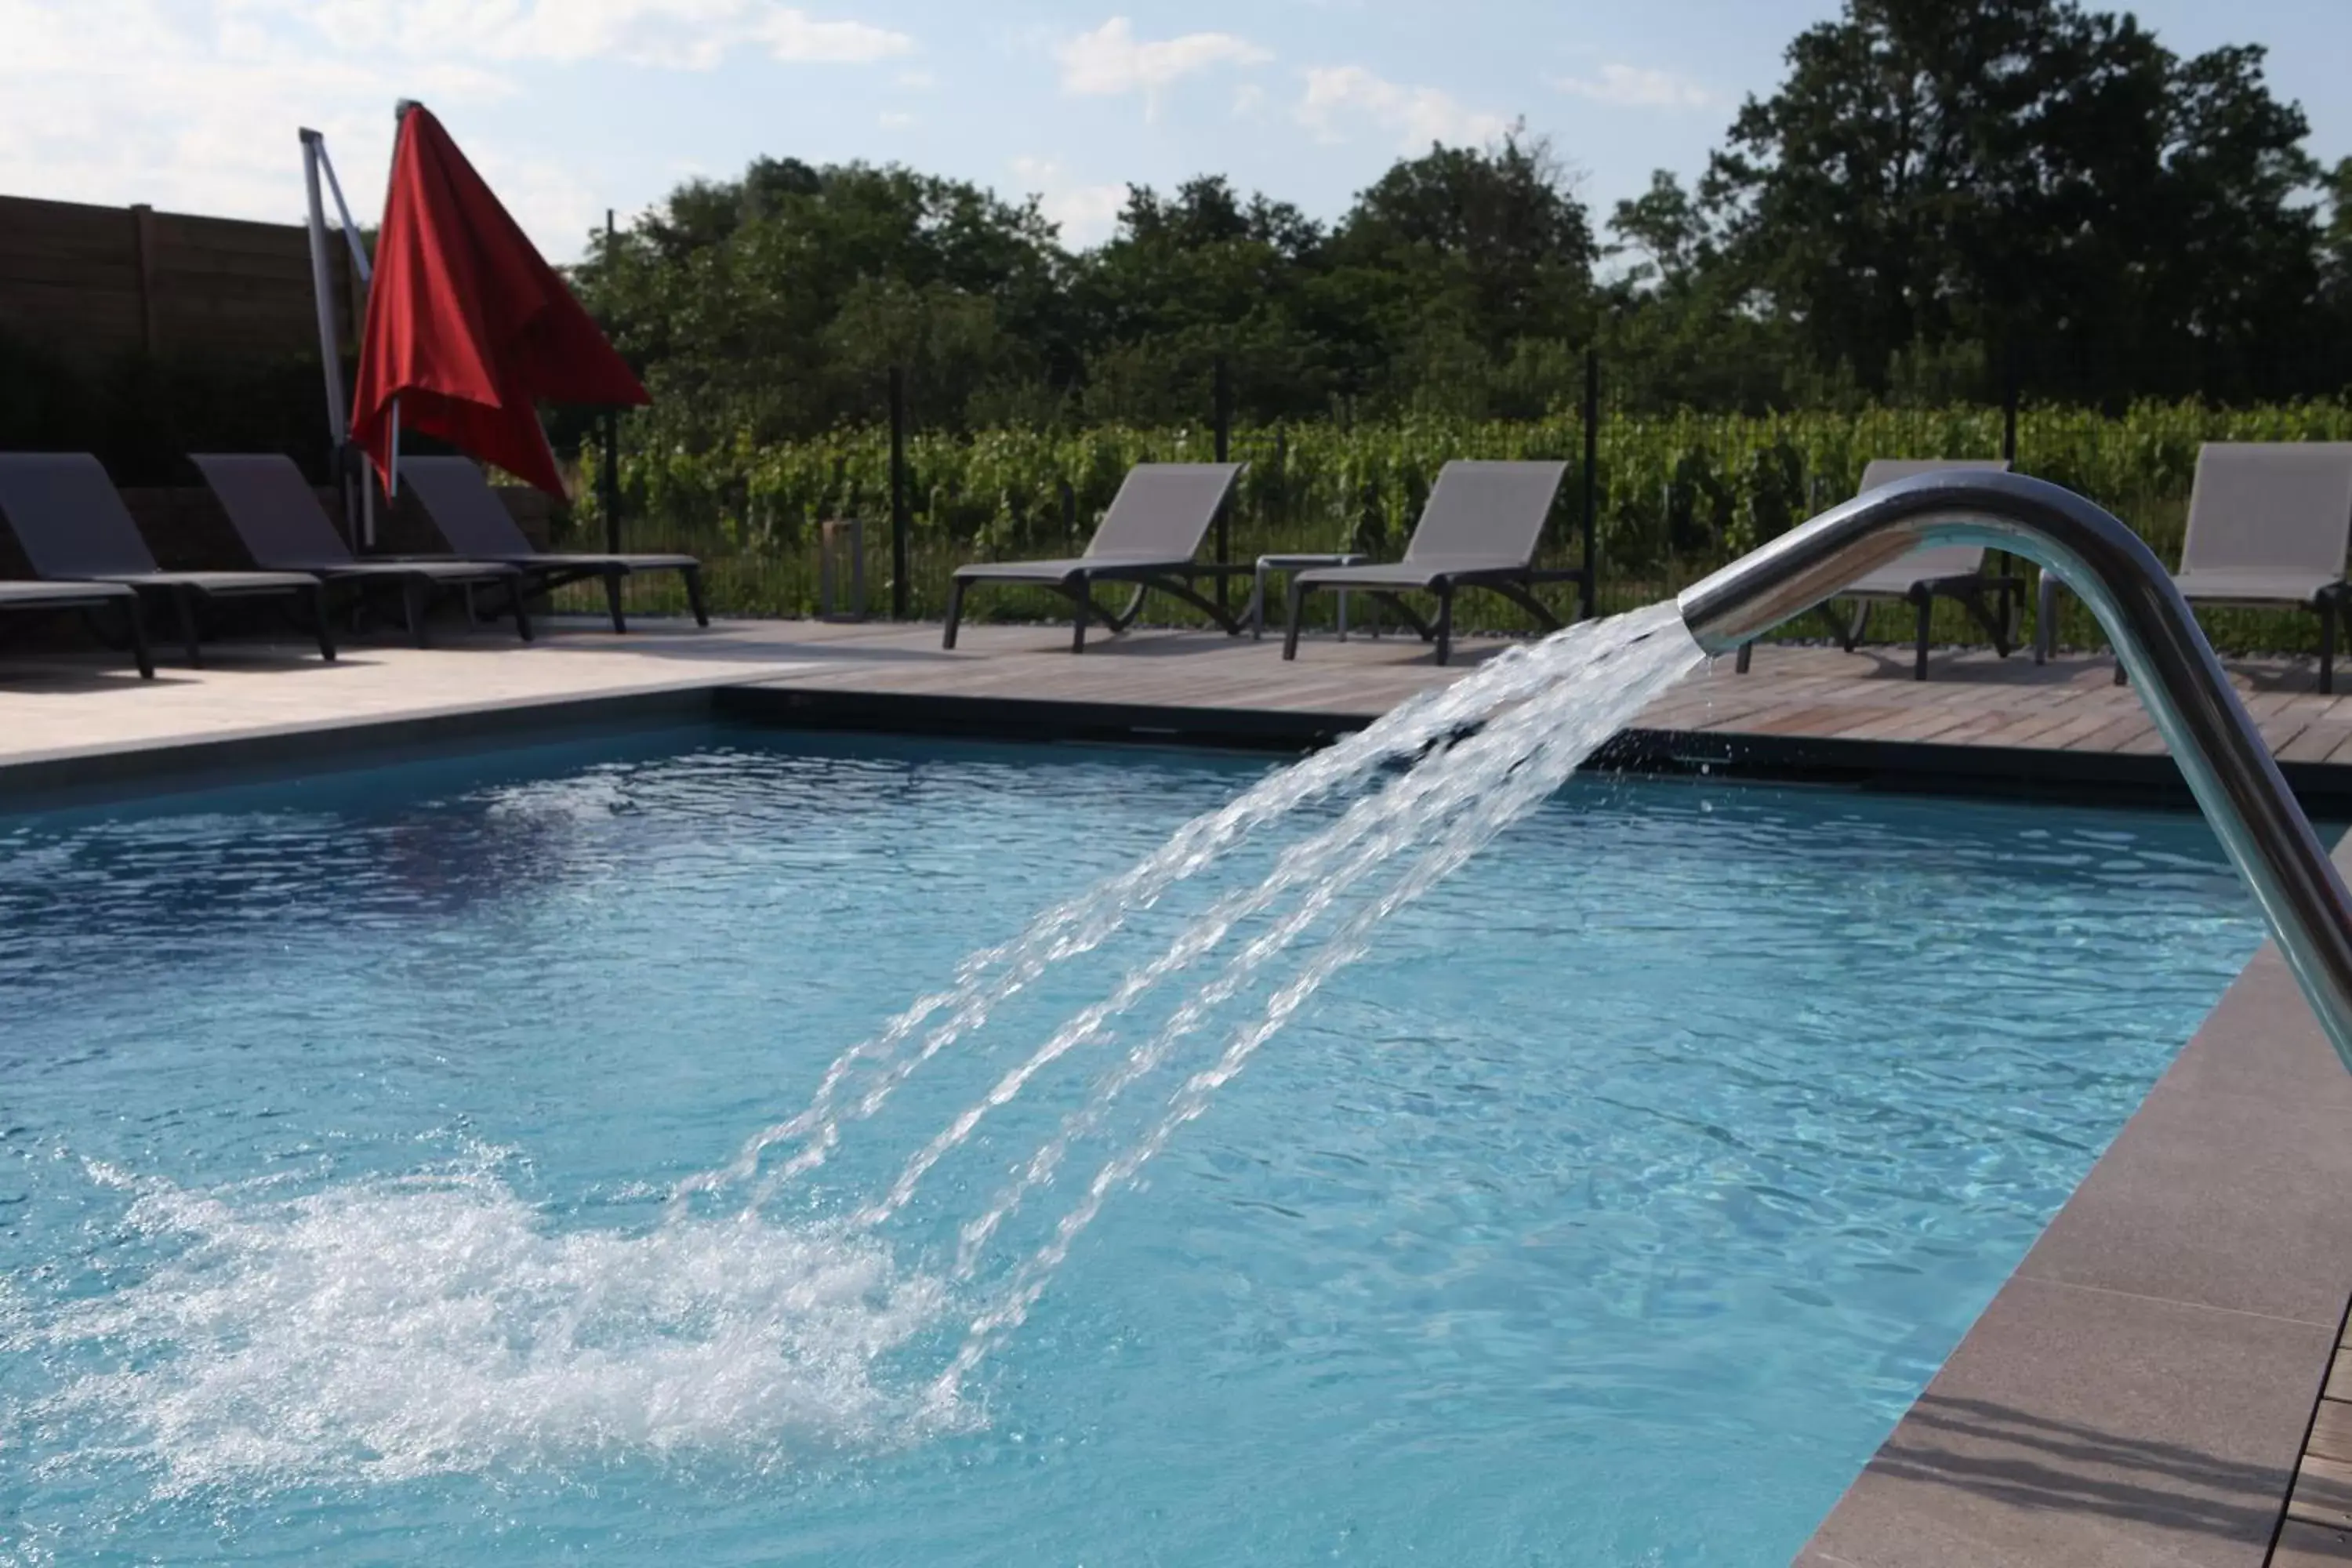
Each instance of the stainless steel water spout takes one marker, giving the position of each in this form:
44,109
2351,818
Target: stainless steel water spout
2228,766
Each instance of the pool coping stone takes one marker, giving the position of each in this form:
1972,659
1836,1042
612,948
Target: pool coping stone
2141,1389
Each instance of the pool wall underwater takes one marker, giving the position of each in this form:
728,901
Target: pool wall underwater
2141,1388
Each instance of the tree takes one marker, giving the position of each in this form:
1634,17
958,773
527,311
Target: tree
773,305
1193,278
1666,228
2046,182
1449,263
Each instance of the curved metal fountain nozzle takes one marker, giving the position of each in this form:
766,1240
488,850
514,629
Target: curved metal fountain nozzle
2228,766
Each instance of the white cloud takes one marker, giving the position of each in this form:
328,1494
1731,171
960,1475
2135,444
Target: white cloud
891,120
1086,213
1639,87
191,105
1111,60
916,81
1338,95
679,35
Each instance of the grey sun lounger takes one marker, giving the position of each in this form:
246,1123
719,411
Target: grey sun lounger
480,527
2268,525
276,513
32,598
1148,537
73,526
1954,572
1479,529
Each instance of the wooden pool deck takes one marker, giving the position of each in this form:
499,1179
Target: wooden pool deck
2147,1387
1979,723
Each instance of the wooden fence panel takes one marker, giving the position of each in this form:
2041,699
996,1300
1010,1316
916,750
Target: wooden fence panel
93,284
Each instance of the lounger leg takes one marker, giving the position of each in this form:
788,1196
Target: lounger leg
1746,651
613,601
326,630
135,619
955,611
2326,605
1081,595
412,609
515,602
693,575
1445,621
1290,632
184,605
1926,608
1856,628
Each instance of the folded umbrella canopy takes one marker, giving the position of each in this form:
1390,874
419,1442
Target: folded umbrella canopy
467,328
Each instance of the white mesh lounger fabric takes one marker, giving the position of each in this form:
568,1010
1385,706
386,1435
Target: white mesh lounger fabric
1479,529
1148,537
73,525
480,527
276,513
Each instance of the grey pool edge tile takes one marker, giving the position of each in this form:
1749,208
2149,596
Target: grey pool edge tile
90,775
2259,1050
2091,1428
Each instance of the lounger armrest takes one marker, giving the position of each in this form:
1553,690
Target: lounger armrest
1556,575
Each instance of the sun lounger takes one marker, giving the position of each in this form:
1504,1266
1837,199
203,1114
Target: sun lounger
1954,572
480,527
1479,529
73,526
1148,537
32,598
276,513
2268,525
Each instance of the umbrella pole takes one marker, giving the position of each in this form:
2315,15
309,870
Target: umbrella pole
331,356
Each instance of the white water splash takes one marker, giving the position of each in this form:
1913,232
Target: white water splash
391,1330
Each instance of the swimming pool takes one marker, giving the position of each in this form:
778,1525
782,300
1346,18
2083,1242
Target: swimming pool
1609,1212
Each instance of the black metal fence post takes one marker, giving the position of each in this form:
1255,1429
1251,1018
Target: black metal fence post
1589,592
2009,421
1224,411
897,494
609,490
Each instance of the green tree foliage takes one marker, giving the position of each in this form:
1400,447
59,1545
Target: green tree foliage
773,305
1943,200
2045,186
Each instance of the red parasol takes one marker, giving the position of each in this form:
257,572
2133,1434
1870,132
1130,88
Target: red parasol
467,326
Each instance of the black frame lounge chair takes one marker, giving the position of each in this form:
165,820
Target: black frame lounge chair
1149,537
33,598
1479,529
2269,523
1954,572
479,527
73,526
276,513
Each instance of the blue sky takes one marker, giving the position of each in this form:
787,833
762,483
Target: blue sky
572,106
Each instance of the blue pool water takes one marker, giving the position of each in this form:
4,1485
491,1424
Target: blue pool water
1608,1212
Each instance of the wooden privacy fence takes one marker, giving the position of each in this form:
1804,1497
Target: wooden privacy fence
93,284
